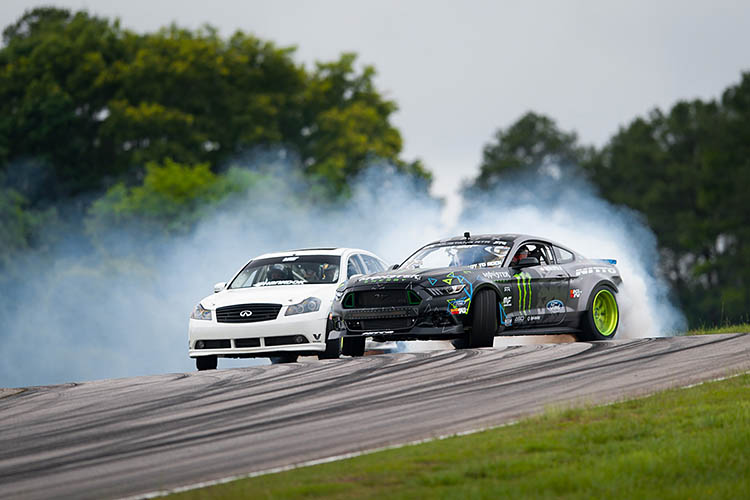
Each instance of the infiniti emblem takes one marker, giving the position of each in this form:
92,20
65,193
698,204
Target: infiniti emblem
245,314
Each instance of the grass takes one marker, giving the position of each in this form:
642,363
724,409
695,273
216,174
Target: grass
677,444
744,327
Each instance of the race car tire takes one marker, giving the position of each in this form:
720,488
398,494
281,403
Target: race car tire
484,319
353,346
283,358
602,316
206,362
333,346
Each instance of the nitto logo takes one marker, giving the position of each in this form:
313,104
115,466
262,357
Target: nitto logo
246,314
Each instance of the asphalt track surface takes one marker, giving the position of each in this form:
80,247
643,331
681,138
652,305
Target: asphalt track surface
123,437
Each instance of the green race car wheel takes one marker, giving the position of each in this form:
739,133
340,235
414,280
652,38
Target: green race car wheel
605,313
602,316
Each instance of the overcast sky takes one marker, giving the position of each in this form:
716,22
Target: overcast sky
461,70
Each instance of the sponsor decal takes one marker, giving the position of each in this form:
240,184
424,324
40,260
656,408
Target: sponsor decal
280,282
555,306
388,277
547,269
590,270
455,243
523,280
459,302
499,251
289,259
507,301
316,336
459,310
496,275
506,289
533,318
465,300
575,293
508,322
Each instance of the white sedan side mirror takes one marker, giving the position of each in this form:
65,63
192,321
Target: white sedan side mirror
220,286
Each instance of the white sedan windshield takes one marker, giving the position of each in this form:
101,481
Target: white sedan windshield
457,255
290,270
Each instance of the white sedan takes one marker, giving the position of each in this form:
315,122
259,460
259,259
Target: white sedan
276,306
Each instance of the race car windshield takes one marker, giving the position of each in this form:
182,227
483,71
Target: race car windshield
457,256
289,270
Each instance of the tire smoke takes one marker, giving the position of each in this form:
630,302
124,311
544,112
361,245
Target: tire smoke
76,314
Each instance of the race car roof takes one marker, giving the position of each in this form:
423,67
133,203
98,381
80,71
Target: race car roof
489,238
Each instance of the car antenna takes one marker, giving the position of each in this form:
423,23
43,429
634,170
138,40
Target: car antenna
467,235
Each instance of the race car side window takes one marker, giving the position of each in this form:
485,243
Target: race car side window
539,251
547,252
353,267
563,256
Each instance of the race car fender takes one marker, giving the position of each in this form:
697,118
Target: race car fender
496,289
583,300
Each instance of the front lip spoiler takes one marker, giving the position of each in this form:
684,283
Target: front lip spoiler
416,332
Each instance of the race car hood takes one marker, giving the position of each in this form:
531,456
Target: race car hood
277,294
423,276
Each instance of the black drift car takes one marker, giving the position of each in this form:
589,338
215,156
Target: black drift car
472,288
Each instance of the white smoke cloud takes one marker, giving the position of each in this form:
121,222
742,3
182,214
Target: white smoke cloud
73,315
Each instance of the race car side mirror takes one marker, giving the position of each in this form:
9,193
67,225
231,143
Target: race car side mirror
394,266
527,262
220,286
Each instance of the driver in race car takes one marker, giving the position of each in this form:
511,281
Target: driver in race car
277,273
522,253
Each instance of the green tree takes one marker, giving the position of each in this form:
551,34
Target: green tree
98,103
533,144
170,199
49,97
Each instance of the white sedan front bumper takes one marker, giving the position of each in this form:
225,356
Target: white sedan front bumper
239,339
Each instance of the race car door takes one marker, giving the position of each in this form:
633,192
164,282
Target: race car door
542,290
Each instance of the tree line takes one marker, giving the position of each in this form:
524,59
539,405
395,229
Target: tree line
147,127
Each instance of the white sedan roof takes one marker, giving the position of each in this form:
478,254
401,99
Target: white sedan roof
313,251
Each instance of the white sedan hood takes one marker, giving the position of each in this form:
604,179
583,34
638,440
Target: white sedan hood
277,294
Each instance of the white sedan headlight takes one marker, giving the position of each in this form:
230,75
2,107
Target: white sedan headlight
310,304
201,312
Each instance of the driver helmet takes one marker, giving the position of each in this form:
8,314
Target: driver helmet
277,273
522,253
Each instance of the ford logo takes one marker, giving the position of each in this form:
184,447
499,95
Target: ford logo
245,314
555,306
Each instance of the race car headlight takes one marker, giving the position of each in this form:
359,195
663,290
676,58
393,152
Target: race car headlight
201,312
310,304
446,290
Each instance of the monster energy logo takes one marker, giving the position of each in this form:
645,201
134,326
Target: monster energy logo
524,290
